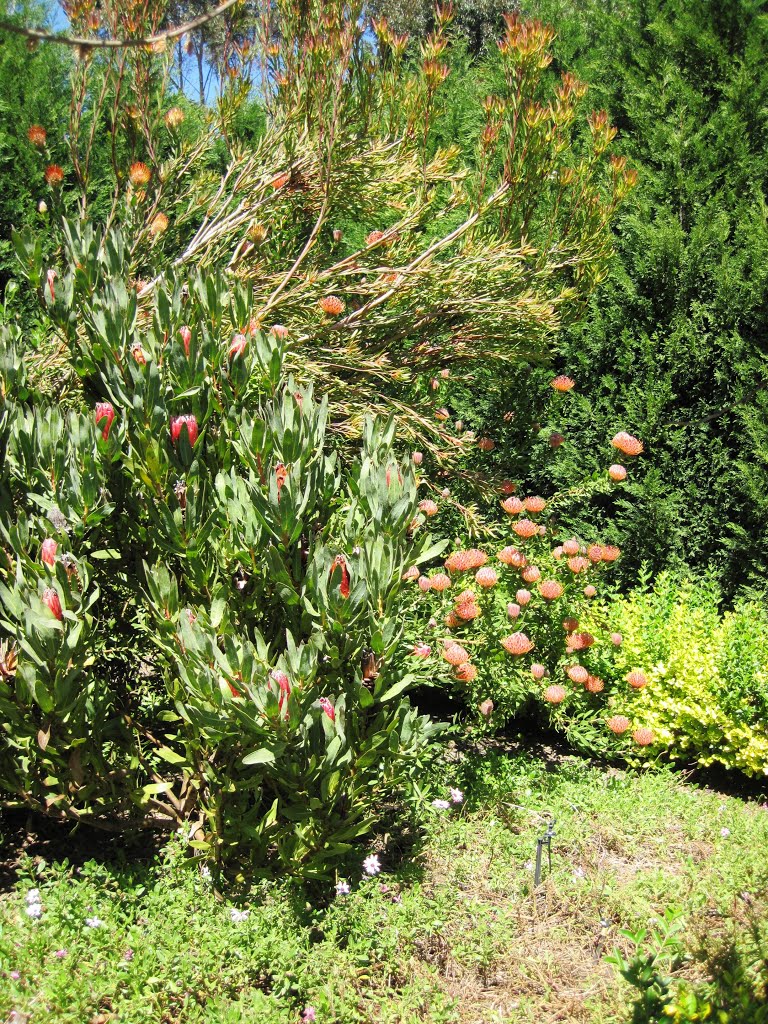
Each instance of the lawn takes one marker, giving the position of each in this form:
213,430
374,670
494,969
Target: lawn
455,932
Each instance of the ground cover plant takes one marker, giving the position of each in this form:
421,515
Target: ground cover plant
454,933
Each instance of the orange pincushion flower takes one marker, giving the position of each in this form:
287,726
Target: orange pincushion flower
510,556
610,552
374,237
595,553
174,117
563,383
642,737
139,173
331,305
487,577
637,679
538,671
578,564
485,444
465,673
594,684
534,504
531,573
440,582
280,180
458,561
525,528
455,655
517,643
627,443
577,673
159,224
590,591
581,641
412,573
512,506
442,414
555,694
451,620
36,135
465,596
53,175
569,625
428,507
616,472
618,724
467,611
550,590
478,557
425,583
571,547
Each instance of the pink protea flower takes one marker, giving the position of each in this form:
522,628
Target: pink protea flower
48,551
421,650
571,547
618,724
594,684
617,639
178,423
486,577
590,591
428,507
237,345
105,414
467,611
610,552
440,582
417,458
534,504
412,573
643,737
517,643
513,609
523,596
558,552
52,601
555,694
595,553
485,444
577,673
563,383
461,561
508,555
570,624
331,305
531,574
616,472
525,528
466,673
550,590
578,564
486,708
538,671
455,654
279,331
637,679
581,641
328,708
425,584
512,506
185,333
627,444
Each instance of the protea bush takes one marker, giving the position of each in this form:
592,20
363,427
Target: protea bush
198,595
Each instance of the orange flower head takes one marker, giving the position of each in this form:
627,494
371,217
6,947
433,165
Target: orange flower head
452,620
428,507
616,472
637,679
555,694
465,673
570,625
486,577
531,573
509,556
159,224
486,708
571,547
412,573
53,175
440,582
512,506
618,724
507,487
523,596
581,641
577,673
627,444
617,639
331,305
595,553
643,737
525,528
139,174
578,564
513,610
455,655
425,583
555,439
37,135
534,504
138,353
517,644
594,684
442,415
174,118
563,383
467,611
538,671
485,444
374,237
610,552
550,590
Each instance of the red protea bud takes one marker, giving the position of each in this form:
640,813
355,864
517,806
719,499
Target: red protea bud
616,472
417,458
179,422
425,583
421,650
571,547
340,562
555,439
139,174
507,487
627,444
538,671
279,677
637,679
428,507
485,444
523,596
37,135
577,673
186,337
486,708
517,643
331,305
578,564
455,655
525,528
53,175
412,573
338,234
281,478
237,345
465,673
618,724
555,694
48,551
105,414
570,624
513,610
643,737
617,639
531,573
550,590
590,591
486,577
328,708
534,504
581,641
594,684
52,601
440,582
512,506
563,383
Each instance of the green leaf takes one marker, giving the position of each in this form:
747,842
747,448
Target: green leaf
262,756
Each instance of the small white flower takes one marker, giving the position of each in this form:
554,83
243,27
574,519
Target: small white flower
441,805
577,874
238,916
372,865
725,832
342,888
205,872
457,797
34,910
529,865
94,922
33,896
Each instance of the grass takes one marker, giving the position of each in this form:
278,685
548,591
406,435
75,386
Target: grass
455,933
